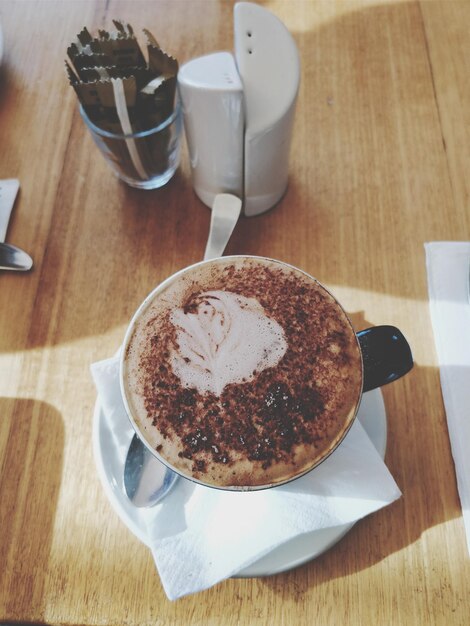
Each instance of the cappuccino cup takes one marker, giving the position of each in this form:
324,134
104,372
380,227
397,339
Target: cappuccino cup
244,372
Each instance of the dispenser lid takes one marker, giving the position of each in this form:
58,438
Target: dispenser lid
215,72
269,65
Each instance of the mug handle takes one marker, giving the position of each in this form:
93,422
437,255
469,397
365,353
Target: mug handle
386,355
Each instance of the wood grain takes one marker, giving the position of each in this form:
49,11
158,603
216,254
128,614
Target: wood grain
379,165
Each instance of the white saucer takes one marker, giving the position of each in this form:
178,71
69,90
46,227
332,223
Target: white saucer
293,553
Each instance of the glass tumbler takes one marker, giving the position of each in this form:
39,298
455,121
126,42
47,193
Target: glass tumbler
146,159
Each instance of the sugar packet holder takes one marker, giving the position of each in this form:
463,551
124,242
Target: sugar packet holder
122,95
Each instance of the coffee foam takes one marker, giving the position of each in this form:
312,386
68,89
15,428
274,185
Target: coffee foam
296,402
227,340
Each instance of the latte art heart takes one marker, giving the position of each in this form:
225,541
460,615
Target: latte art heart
227,339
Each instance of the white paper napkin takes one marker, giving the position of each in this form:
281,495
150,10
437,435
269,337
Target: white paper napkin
200,536
448,285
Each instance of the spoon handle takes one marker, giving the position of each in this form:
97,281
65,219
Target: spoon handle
225,213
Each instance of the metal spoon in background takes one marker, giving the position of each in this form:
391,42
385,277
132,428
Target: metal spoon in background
13,258
146,479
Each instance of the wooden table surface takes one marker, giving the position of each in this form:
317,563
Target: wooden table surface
379,165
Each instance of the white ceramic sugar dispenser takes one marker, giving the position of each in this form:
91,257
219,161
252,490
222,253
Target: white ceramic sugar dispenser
212,95
239,112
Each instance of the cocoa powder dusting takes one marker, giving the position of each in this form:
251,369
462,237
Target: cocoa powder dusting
263,419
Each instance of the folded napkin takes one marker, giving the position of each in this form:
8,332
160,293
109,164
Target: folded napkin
200,536
448,285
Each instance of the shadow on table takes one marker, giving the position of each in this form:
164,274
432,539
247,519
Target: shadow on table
31,459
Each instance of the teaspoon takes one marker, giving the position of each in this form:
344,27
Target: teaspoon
146,479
